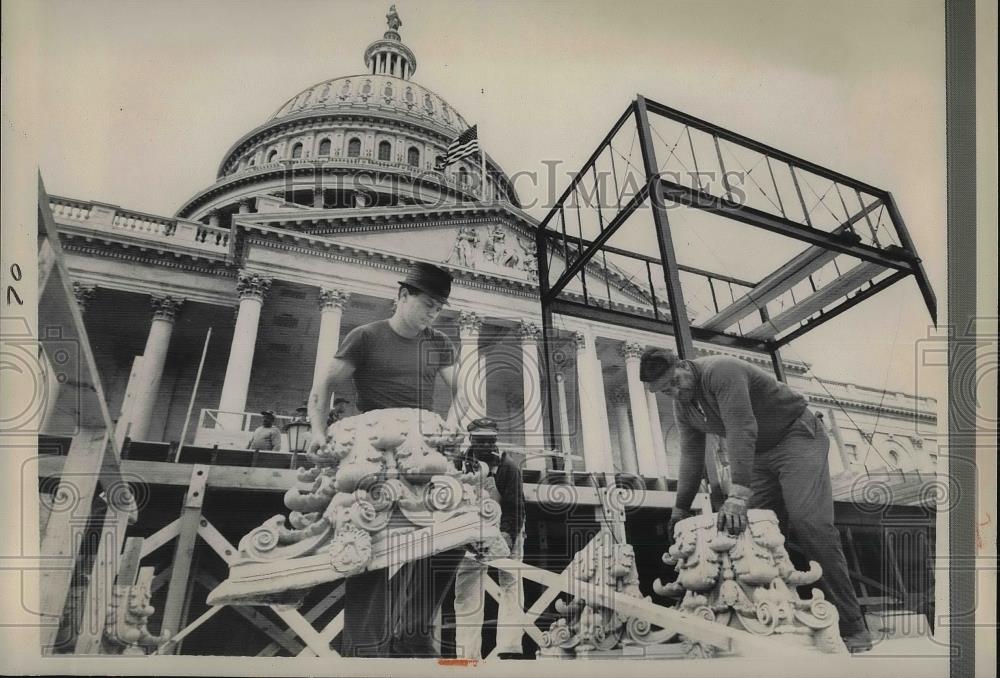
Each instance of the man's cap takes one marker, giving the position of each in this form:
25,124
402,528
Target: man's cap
483,427
267,413
429,279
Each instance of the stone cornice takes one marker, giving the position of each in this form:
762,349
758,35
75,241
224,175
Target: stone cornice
137,255
870,407
72,235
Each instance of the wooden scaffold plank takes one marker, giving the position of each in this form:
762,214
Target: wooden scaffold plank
102,577
59,549
177,591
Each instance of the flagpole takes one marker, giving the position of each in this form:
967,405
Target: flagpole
482,158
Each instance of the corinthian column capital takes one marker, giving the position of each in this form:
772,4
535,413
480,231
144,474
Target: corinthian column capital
252,285
469,322
165,308
632,350
330,299
83,294
528,331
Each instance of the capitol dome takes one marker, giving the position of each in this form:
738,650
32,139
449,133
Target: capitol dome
367,140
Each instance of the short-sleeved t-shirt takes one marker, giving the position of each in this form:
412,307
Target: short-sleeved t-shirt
393,371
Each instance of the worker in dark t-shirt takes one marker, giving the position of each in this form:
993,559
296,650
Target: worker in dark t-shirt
395,363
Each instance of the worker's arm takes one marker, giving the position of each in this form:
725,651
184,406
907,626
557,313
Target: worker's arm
337,375
692,462
276,439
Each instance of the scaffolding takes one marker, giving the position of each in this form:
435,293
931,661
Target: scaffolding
754,247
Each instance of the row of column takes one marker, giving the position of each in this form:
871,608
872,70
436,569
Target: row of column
390,64
640,441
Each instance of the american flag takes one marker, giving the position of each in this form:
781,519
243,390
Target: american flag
464,145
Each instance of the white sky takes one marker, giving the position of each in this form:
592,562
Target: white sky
141,99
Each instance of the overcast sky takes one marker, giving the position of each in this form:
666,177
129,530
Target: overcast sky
140,100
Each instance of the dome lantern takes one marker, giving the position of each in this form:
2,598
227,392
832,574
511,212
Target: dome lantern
389,56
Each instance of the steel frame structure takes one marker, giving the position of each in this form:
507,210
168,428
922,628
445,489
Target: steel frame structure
881,265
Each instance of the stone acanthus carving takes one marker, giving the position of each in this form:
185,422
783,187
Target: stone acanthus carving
381,490
748,582
583,628
165,308
469,323
83,294
252,285
125,630
632,350
333,299
528,332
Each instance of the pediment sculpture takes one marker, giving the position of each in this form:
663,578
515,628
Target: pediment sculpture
383,491
494,251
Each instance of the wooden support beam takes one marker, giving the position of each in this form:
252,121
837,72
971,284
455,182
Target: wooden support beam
319,646
128,564
79,474
161,578
279,480
178,590
102,580
161,537
696,628
285,638
312,615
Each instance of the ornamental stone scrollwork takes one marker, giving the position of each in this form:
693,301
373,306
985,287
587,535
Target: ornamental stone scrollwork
586,629
333,299
252,285
632,350
528,332
469,323
165,308
381,490
748,582
128,614
83,294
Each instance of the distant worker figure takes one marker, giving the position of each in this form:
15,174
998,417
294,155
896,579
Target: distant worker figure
504,486
778,457
267,436
342,408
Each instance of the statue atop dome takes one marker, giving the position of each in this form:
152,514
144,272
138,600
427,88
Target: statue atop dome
392,19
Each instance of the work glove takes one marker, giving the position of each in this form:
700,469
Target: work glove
677,514
732,515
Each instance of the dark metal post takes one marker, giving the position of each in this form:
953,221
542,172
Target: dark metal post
675,296
541,251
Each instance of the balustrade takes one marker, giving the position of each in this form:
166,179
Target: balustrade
142,226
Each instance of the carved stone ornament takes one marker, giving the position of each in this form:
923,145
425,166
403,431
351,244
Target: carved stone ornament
165,308
469,323
584,629
632,350
83,294
252,285
748,582
382,490
125,630
330,299
498,252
